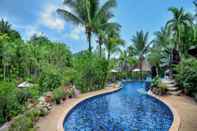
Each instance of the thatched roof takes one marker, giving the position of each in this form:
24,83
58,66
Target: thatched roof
145,66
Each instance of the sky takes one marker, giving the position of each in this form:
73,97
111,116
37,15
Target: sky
39,17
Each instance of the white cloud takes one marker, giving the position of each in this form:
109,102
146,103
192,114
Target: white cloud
29,30
76,33
50,18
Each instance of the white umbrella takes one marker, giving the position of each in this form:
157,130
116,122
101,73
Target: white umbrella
136,70
114,71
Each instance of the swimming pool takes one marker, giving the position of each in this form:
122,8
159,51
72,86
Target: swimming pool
129,109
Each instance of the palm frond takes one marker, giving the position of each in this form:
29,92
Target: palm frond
105,9
69,16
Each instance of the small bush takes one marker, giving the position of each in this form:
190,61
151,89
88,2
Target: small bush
158,87
23,96
58,94
49,81
26,121
22,123
28,93
155,82
33,114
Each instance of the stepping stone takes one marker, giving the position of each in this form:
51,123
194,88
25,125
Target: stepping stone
172,88
171,85
175,93
168,81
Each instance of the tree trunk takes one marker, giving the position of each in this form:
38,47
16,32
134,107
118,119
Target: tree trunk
100,48
4,72
140,69
109,54
89,35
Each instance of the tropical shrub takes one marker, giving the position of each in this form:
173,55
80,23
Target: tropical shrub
155,82
91,71
9,104
186,75
26,121
22,123
23,95
158,87
58,94
50,79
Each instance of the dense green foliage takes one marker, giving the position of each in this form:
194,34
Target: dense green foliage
91,71
26,121
58,94
178,34
9,104
186,75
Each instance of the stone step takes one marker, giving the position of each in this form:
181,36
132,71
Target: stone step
171,85
168,81
172,88
175,93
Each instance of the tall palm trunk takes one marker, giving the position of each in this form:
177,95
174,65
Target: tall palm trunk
141,68
109,55
4,72
100,48
89,35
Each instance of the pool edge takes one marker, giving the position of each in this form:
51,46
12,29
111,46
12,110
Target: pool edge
176,117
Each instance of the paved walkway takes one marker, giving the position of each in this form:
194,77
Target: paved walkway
185,106
187,110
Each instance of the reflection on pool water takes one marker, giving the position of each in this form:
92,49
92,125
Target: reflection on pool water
129,109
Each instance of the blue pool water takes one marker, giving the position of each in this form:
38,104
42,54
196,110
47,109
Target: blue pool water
129,109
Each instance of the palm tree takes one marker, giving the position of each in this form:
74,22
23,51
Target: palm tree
140,43
140,46
101,31
5,27
113,40
86,13
178,23
162,38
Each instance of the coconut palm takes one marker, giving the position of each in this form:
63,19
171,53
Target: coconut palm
140,46
86,13
140,43
178,23
113,40
162,38
101,31
5,27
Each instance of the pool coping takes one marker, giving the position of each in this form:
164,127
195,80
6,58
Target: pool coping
176,118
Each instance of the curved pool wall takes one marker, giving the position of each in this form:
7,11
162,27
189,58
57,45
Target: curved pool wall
128,109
